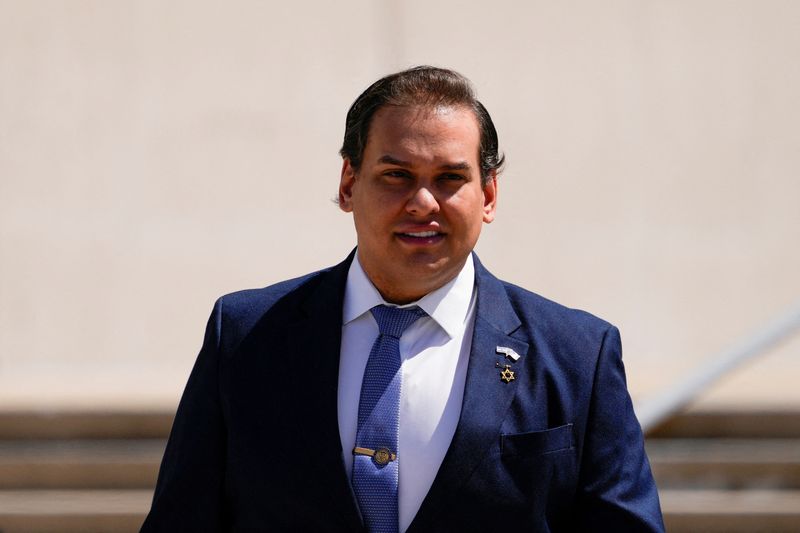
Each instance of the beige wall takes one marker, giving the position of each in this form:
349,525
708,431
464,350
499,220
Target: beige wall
154,155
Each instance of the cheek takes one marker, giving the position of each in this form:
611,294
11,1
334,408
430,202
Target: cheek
467,209
368,220
375,200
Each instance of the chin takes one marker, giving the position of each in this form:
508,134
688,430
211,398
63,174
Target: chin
424,264
432,273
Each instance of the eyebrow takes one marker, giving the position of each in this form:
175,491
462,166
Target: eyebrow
389,160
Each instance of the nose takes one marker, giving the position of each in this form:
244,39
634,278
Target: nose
422,202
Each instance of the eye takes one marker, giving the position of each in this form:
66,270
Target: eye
452,177
396,174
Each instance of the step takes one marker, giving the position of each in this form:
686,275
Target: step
84,425
721,511
725,463
80,464
73,511
710,511
731,424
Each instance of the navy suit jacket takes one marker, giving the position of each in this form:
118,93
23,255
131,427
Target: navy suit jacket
255,444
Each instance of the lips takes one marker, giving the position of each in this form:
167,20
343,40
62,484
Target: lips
425,237
421,234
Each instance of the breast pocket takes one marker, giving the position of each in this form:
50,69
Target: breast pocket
536,443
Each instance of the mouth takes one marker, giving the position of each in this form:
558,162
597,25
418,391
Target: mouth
421,237
422,234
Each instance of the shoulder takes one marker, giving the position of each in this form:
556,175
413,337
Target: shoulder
539,316
239,313
248,302
574,338
533,308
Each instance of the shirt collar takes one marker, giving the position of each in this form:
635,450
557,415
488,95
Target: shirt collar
448,305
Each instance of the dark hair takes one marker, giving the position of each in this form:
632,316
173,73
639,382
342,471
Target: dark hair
425,86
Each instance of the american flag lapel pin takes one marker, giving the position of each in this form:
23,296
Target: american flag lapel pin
508,352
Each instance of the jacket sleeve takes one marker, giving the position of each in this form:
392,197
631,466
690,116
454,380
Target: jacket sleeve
616,488
188,495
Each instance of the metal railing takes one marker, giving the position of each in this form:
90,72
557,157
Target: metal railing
654,411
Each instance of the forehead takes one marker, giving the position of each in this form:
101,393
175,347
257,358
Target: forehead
424,131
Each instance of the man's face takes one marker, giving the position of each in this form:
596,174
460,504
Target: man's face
417,201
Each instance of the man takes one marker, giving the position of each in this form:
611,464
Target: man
407,389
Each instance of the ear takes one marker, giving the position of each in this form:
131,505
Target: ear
490,198
346,183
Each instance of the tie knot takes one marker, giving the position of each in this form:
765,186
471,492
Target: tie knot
393,321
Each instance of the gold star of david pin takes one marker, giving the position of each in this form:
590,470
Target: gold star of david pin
507,375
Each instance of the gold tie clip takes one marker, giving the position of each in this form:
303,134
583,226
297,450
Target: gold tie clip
382,456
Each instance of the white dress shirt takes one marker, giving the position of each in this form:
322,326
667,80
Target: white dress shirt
434,352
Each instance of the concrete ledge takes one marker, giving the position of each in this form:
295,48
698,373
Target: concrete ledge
725,463
715,511
80,464
732,424
73,511
85,425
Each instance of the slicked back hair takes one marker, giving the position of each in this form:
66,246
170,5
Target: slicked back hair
420,86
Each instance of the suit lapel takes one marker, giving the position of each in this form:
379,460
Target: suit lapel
316,338
486,396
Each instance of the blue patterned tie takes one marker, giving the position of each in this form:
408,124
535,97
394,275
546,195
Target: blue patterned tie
375,454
